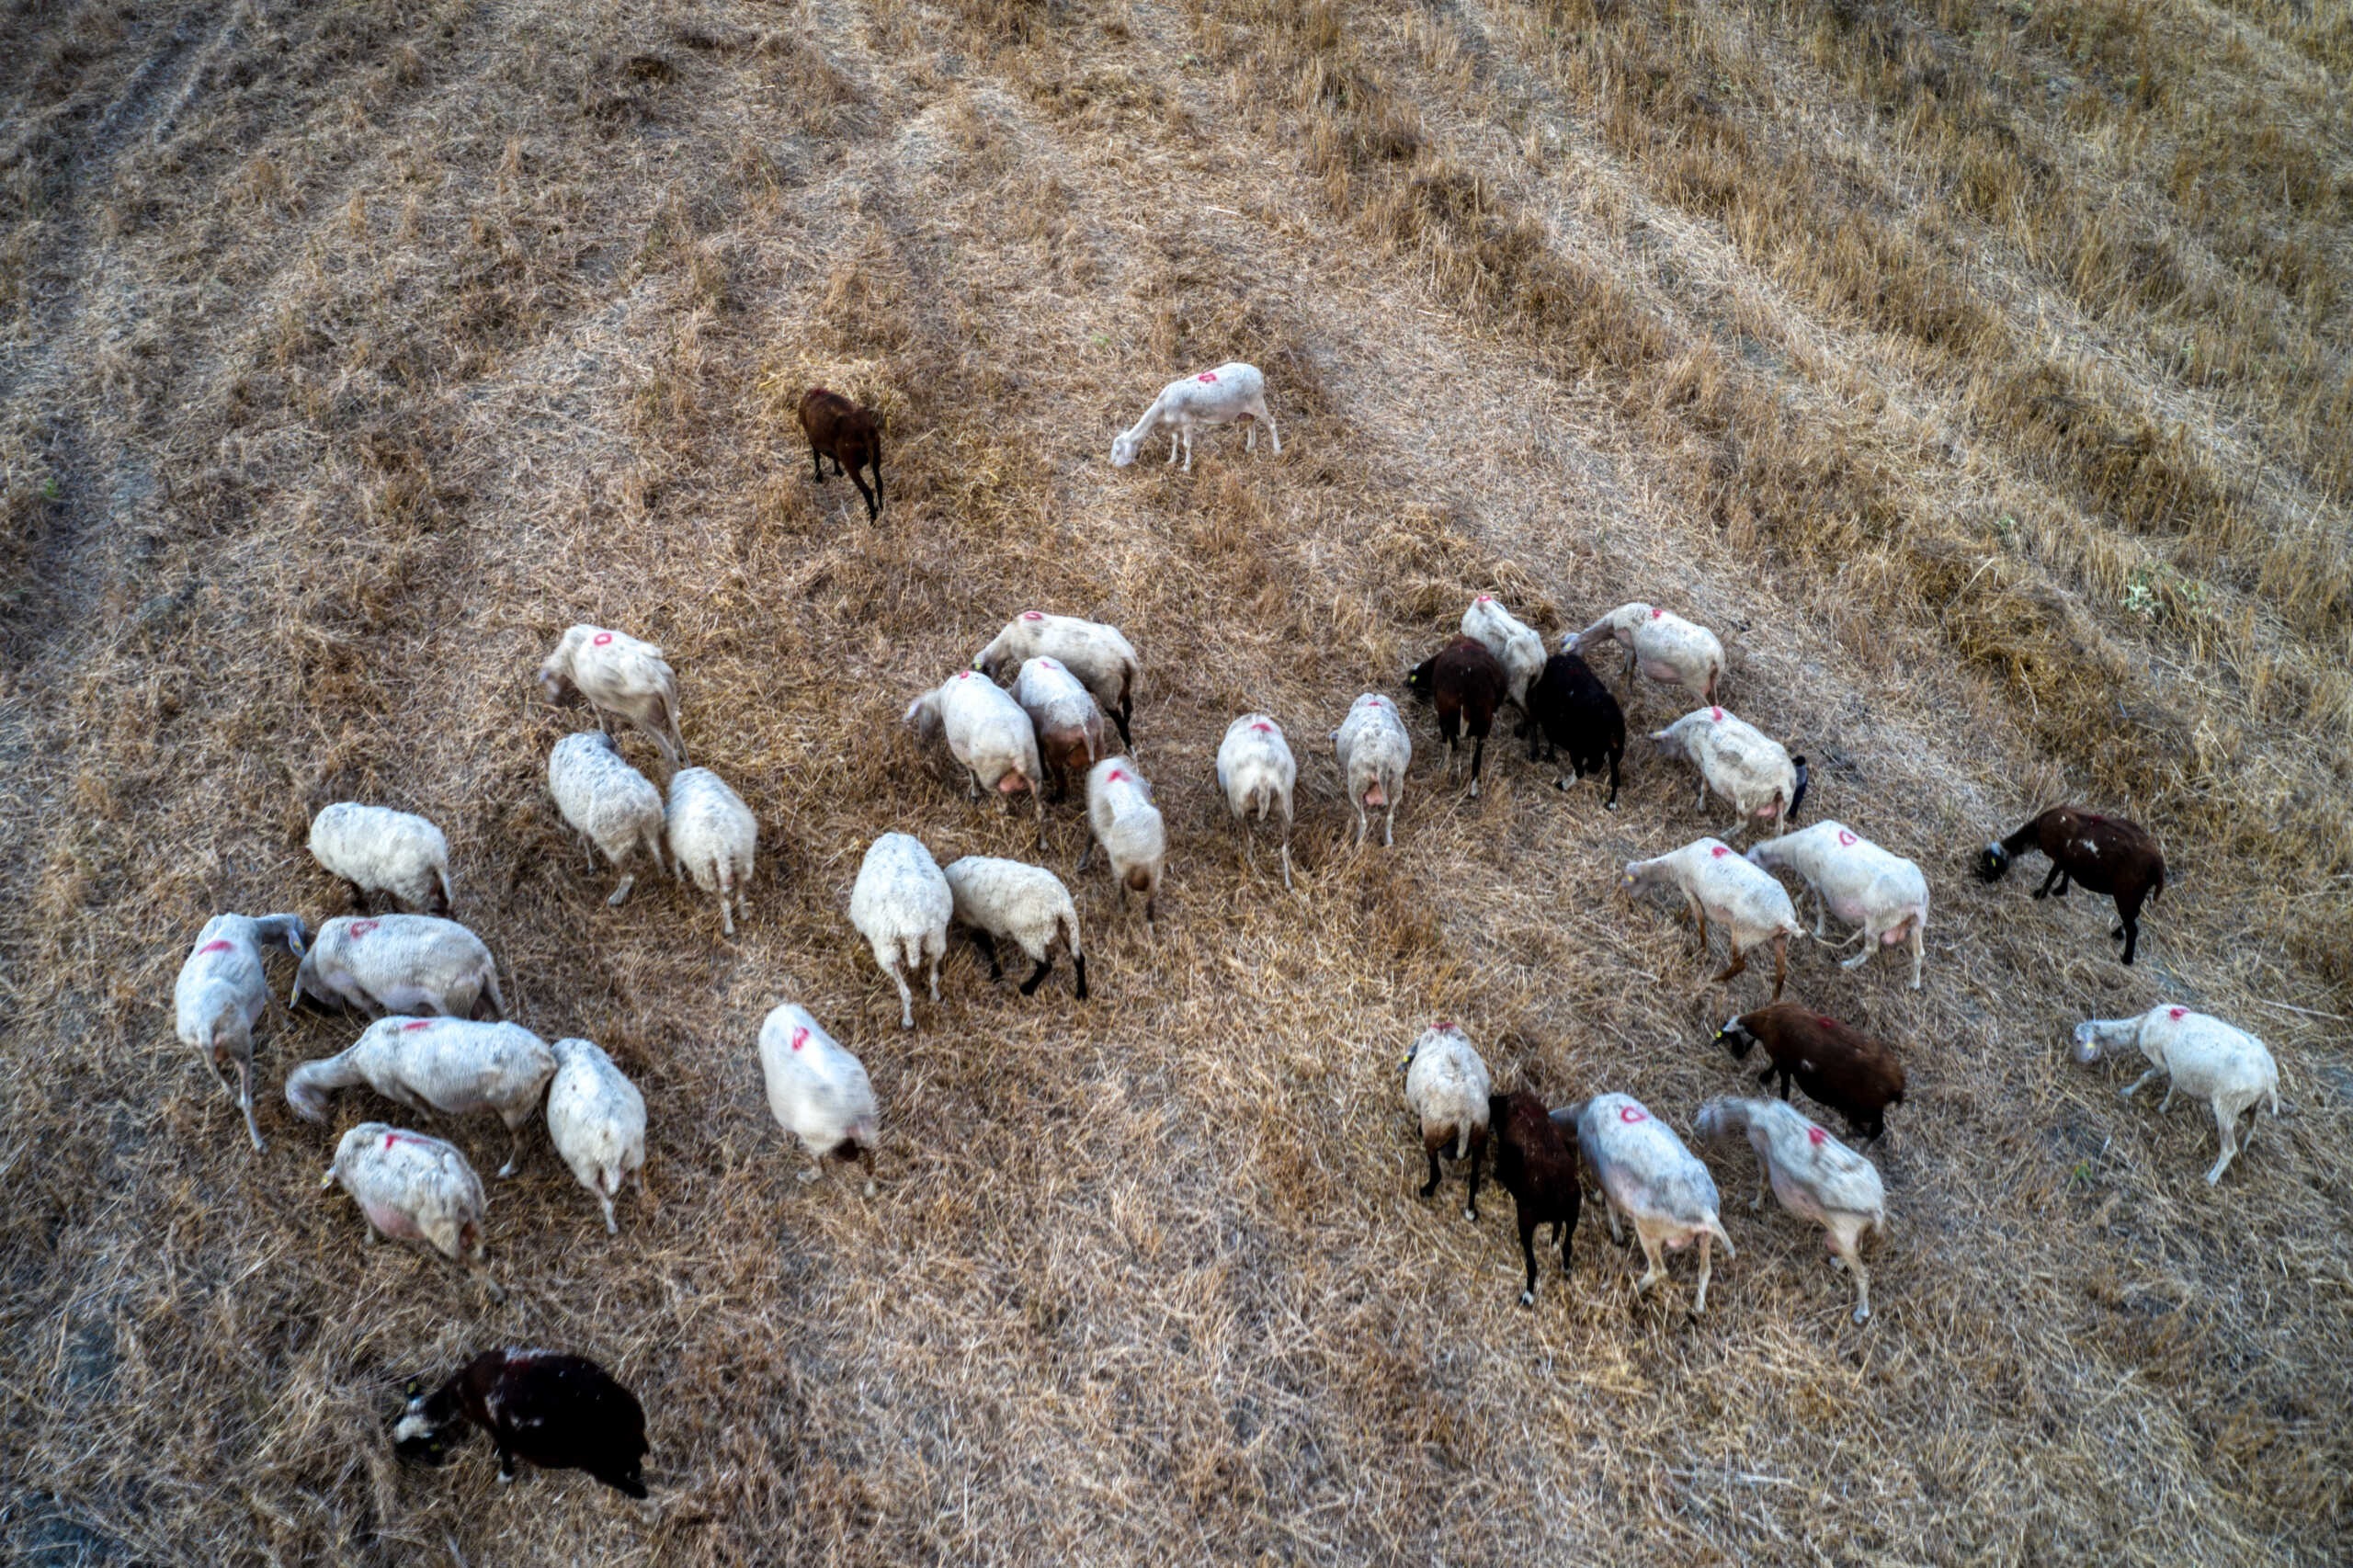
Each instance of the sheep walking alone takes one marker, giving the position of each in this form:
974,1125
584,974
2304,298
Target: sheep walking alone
620,675
1815,1176
2107,855
1649,1176
551,1411
376,849
398,963
1098,654
1715,884
817,1091
851,436
2195,1053
1233,392
416,1190
713,839
1448,1089
1027,905
597,1121
1257,775
1883,896
609,804
222,992
1127,828
1374,751
450,1066
902,904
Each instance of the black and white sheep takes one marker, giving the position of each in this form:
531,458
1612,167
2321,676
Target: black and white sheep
1027,905
551,1411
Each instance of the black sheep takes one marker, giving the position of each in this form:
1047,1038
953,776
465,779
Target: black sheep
1568,706
1538,1167
553,1411
2105,853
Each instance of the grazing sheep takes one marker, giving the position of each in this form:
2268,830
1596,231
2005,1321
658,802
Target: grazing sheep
551,1411
1568,706
817,1091
222,992
1650,1177
1884,895
1666,647
1258,773
901,905
2105,853
1535,1164
1374,751
989,736
1068,722
619,675
1027,905
415,1190
713,838
1738,762
1098,654
1447,1087
1850,1071
1514,644
450,1066
1232,392
1129,829
2196,1054
851,436
1815,1176
398,963
1748,904
609,804
597,1121
375,848
1467,684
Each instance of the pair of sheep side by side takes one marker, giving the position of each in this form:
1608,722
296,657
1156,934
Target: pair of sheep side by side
1764,783
1716,884
1095,654
377,850
551,1411
1883,896
1374,750
2107,855
619,676
1233,392
1815,1176
851,436
1466,684
2196,1054
902,903
711,836
1666,647
222,992
1850,1071
1257,775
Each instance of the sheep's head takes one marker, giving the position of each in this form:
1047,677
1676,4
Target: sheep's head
923,717
1422,680
1735,1037
1992,863
1123,450
555,683
2092,1040
429,1429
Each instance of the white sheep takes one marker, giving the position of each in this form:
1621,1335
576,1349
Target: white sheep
1738,761
2198,1054
817,1091
619,675
1098,654
222,992
1515,646
609,804
1259,774
450,1066
1647,1176
1129,829
712,838
1027,905
398,963
1884,895
1233,391
1447,1087
1815,1176
1374,751
377,850
987,734
415,1189
1666,647
902,904
597,1121
1747,903
1068,721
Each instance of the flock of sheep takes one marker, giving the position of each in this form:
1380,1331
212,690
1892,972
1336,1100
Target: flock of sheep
1029,716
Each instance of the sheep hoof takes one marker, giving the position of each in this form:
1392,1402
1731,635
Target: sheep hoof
1862,1314
1528,1298
869,1189
1472,1215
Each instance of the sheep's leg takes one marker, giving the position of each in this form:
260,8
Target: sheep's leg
1285,857
1657,1270
1086,858
726,915
1871,945
514,1149
1471,1199
1429,1148
620,893
2227,1124
1189,448
1528,1254
907,998
987,945
245,1102
935,979
1274,437
2140,1082
2131,933
612,1226
817,461
1781,962
2064,883
1820,915
1616,1235
1389,826
1249,435
1917,925
1763,1185
1478,756
1847,1255
2166,1104
873,504
1172,445
1707,1267
1029,987
1364,828
2049,881
1739,965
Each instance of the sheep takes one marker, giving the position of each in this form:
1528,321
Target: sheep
1063,712
1129,829
415,1190
609,804
2198,1054
375,848
450,1066
1647,1175
1533,1162
1850,1071
1024,904
1751,906
1374,751
551,1411
1884,895
901,905
987,734
398,963
619,675
222,992
713,838
851,436
1569,706
817,1091
1515,646
1666,647
1740,763
1815,1176
1467,684
1233,391
1448,1089
2105,853
597,1121
1098,654
1257,774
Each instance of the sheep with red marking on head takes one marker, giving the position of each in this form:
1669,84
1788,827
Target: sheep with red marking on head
1448,1089
1739,762
222,992
901,905
1648,1177
450,1066
2197,1054
1233,392
1664,646
1716,884
1374,750
987,734
1850,1071
1466,684
620,675
1257,774
1885,897
1127,828
609,804
1065,717
1027,905
1514,644
1098,654
596,1122
398,963
2107,855
377,850
414,1189
714,838
1815,1176
817,1091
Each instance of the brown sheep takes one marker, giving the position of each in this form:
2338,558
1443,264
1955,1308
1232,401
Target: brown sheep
2105,853
1538,1167
1467,684
851,436
1850,1071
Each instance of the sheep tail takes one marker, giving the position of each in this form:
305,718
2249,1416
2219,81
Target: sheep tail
1716,1229
489,989
1069,920
449,897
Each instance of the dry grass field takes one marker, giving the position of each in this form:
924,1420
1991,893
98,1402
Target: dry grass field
1979,368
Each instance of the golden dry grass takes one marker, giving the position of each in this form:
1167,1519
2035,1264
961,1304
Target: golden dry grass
1978,370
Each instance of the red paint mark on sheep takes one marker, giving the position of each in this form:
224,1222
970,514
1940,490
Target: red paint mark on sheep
1815,1135
1657,614
1631,1114
2177,1012
1115,776
1206,376
800,1039
218,945
1486,599
1033,615
1716,715
1827,1021
1718,852
601,638
1847,839
418,1024
963,675
1262,727
361,928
